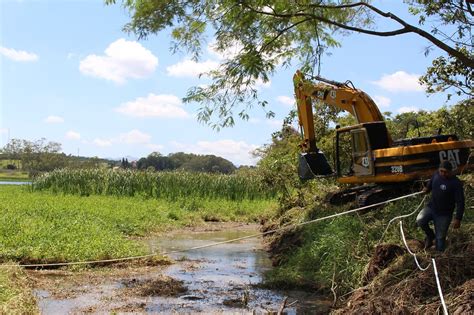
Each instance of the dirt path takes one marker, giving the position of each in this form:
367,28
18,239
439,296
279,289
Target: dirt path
220,279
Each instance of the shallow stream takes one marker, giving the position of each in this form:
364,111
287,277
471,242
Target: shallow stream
215,280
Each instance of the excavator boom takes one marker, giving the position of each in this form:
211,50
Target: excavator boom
337,94
340,95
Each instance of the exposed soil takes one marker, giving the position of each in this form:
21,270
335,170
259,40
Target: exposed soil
396,286
162,286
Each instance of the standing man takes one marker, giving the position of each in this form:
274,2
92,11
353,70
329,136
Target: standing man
446,193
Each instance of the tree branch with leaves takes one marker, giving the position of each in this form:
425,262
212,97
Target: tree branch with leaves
269,34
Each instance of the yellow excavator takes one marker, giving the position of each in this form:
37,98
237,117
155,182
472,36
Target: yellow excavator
378,166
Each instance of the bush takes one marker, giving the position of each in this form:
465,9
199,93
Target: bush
11,167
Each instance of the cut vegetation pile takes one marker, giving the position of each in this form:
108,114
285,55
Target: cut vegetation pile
400,288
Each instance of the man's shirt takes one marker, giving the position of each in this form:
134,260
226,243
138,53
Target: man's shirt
446,193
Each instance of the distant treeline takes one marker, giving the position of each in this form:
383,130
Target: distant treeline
185,161
43,156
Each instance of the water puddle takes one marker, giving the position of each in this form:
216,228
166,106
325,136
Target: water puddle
214,280
15,183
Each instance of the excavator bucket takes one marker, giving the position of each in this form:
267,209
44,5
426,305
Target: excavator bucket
313,165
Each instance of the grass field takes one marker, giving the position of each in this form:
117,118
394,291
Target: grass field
47,227
11,175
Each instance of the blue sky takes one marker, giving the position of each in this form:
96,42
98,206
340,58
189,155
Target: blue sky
69,74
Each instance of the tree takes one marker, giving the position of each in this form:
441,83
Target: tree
278,160
37,155
271,33
125,163
452,71
12,150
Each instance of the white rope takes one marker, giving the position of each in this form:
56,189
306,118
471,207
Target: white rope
433,262
211,244
400,217
409,250
445,309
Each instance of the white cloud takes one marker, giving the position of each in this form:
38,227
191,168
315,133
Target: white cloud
382,101
155,147
18,55
290,101
3,131
54,120
102,142
73,135
122,60
400,81
134,137
407,109
163,105
190,68
238,152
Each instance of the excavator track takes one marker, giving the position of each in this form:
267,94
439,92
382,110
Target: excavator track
366,195
346,195
381,194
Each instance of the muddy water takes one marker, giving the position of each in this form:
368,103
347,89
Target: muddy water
219,279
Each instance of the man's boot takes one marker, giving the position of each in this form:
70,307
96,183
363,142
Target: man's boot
428,242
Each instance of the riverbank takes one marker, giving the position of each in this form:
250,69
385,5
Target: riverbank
333,257
15,176
16,295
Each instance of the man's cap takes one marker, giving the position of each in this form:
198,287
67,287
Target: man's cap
446,165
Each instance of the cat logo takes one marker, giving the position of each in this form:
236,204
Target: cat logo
452,156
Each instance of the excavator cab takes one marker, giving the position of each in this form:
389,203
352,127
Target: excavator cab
354,147
353,152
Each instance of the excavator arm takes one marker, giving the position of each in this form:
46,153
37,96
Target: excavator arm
339,95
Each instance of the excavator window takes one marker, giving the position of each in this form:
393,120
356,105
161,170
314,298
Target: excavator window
359,141
361,153
343,154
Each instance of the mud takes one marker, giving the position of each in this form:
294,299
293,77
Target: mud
221,279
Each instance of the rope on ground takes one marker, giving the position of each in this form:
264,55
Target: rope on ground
445,309
92,262
400,217
433,262
409,250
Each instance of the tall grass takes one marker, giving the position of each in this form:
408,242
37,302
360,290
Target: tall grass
168,185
